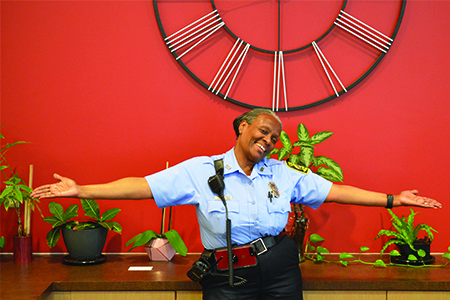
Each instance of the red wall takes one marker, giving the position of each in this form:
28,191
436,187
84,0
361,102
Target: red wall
93,87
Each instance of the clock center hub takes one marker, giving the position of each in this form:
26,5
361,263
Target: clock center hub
279,25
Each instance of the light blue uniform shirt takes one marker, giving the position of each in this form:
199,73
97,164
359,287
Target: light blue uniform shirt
253,214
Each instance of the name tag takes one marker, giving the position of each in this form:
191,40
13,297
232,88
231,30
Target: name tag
226,198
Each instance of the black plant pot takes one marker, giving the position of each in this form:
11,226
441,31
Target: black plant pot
85,245
405,251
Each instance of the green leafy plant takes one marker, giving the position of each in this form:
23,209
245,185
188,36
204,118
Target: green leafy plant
171,235
16,193
406,233
69,219
319,254
323,166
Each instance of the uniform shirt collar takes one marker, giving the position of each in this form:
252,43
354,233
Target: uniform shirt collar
231,165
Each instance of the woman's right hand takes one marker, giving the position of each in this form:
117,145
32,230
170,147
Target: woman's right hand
66,187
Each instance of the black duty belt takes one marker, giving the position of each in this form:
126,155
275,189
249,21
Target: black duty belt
243,255
265,243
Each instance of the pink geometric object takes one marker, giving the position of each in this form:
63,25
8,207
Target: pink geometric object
160,250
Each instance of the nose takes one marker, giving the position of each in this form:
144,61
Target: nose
268,141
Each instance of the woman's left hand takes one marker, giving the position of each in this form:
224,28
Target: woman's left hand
410,198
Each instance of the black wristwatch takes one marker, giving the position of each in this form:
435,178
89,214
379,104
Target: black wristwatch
390,201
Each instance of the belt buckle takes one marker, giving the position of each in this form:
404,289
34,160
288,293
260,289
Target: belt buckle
263,246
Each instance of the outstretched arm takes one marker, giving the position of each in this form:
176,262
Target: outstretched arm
132,188
345,194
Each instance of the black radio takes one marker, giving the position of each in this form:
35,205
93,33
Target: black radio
202,267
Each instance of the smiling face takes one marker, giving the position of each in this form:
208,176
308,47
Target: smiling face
256,141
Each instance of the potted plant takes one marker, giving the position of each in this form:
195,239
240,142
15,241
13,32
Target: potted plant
317,254
16,195
322,165
413,250
84,237
160,246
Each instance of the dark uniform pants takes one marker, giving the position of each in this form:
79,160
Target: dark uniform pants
276,276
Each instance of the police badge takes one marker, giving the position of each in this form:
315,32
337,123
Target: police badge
274,189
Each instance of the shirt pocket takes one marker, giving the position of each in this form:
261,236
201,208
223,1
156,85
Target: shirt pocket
217,215
278,213
279,206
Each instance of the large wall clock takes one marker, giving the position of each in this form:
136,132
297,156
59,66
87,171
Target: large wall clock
283,55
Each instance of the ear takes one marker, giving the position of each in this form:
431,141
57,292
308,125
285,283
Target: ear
242,126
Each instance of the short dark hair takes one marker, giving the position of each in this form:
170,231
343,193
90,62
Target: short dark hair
251,116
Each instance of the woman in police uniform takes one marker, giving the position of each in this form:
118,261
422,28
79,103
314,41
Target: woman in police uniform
258,192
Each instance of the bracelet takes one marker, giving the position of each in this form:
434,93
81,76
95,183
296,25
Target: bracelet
390,201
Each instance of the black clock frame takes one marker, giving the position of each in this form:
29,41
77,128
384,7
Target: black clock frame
294,108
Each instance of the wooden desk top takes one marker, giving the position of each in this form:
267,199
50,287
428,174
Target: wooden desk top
46,274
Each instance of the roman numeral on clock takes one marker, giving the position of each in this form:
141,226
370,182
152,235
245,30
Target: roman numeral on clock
230,64
324,62
278,75
196,32
363,31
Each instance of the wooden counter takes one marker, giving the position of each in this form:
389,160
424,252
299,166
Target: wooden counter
46,274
